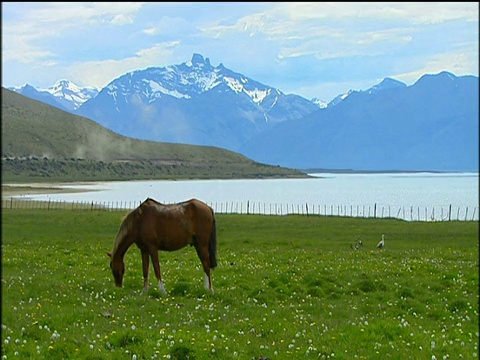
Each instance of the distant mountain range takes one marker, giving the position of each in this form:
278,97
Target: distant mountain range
431,125
64,94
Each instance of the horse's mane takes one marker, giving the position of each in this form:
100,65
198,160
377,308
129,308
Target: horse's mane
126,226
128,221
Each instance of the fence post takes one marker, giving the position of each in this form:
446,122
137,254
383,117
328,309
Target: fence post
275,209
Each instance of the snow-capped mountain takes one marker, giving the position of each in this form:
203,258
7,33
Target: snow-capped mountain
430,125
193,102
188,80
71,95
64,94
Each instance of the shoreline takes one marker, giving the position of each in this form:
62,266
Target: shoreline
10,190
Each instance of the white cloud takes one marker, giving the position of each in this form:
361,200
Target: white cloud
122,19
78,14
169,26
43,21
283,44
342,26
413,12
100,73
151,31
22,51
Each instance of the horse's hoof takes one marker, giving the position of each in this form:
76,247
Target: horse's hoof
161,288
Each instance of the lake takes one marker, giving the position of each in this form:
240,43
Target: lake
410,196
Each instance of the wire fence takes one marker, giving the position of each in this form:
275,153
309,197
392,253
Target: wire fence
408,213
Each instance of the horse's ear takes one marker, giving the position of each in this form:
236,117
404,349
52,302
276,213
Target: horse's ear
108,253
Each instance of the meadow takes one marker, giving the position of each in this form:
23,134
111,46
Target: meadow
286,287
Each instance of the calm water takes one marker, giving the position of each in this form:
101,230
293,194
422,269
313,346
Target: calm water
393,194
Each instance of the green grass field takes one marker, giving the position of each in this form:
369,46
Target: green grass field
286,287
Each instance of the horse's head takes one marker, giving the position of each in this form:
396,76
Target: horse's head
118,269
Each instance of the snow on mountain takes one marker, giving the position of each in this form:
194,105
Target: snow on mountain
188,80
320,103
193,102
64,94
70,94
339,98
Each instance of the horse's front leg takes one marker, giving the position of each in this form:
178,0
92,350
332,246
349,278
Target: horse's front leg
145,264
158,274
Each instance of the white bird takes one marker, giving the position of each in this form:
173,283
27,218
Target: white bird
381,244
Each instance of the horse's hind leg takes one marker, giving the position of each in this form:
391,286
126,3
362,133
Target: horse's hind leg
205,260
208,281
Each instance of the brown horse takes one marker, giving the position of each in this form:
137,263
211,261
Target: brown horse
153,226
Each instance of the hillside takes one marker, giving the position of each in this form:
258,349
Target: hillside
43,143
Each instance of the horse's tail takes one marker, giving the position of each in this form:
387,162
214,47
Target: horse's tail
212,245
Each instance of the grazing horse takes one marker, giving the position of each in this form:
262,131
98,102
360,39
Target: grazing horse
153,226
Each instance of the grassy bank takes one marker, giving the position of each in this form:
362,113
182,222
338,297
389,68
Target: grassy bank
285,287
70,170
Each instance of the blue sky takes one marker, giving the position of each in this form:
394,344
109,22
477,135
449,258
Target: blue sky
315,49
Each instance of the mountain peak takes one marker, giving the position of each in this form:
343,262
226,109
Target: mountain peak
443,75
62,82
198,59
63,85
189,80
387,83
